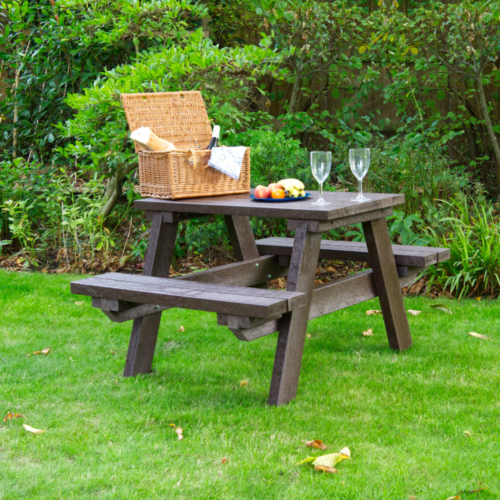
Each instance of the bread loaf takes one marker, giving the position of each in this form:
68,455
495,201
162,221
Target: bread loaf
147,138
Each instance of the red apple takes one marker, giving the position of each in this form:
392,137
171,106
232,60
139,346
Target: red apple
275,186
262,192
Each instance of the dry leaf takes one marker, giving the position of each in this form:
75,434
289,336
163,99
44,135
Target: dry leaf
372,312
19,415
478,335
412,497
224,460
316,444
308,335
413,312
456,497
243,383
178,431
9,416
172,425
368,333
325,468
79,303
43,351
467,434
181,329
33,430
478,299
442,308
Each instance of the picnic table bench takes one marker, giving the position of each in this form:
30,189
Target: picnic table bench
238,292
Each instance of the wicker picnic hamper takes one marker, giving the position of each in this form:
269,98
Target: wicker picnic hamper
181,118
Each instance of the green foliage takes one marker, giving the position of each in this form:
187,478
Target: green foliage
473,237
52,49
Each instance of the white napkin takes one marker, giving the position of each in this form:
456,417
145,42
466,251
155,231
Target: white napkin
228,160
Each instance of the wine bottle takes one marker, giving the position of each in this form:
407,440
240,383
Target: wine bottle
215,137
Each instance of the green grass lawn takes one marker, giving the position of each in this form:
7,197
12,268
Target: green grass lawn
403,416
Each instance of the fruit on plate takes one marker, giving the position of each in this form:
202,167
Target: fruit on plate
274,186
293,188
278,194
262,192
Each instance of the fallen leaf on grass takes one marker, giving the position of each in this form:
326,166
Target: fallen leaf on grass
181,329
43,351
329,460
442,308
172,425
478,299
79,303
316,444
478,335
32,429
456,497
467,434
413,312
71,359
325,468
243,383
224,460
178,431
10,416
368,333
308,335
372,312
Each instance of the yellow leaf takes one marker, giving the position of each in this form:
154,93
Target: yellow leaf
316,444
306,460
413,312
456,497
327,469
243,383
172,425
368,333
346,452
414,50
178,431
332,459
79,303
372,312
478,299
478,335
181,329
43,351
362,49
33,430
467,434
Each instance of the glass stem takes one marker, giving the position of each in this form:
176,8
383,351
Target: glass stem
360,187
320,190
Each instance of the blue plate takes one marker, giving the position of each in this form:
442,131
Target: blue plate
274,200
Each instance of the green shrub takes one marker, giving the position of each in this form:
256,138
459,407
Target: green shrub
473,238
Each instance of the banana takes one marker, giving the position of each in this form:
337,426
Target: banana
291,184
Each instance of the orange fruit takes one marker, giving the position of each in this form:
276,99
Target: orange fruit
278,193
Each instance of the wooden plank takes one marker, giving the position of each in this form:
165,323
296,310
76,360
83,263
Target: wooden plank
159,256
134,312
326,299
191,295
241,236
245,273
292,326
241,204
174,217
404,255
321,226
387,283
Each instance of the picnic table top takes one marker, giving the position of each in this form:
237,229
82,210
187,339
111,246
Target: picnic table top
241,204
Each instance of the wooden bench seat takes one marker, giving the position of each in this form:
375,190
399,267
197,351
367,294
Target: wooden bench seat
410,256
185,294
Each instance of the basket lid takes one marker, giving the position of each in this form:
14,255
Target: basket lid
178,117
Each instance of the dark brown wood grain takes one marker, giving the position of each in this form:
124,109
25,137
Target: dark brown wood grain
172,217
387,283
241,204
292,326
358,251
241,236
322,226
159,255
186,294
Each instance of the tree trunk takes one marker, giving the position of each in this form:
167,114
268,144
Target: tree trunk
491,132
295,92
114,188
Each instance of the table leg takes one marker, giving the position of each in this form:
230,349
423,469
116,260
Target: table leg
159,256
241,236
386,280
293,325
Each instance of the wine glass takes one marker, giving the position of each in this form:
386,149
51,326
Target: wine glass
359,160
321,162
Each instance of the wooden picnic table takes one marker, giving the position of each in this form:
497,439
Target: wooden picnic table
238,292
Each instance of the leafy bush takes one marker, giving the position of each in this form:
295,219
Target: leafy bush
473,238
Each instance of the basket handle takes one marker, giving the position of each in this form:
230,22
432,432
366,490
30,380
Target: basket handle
192,160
